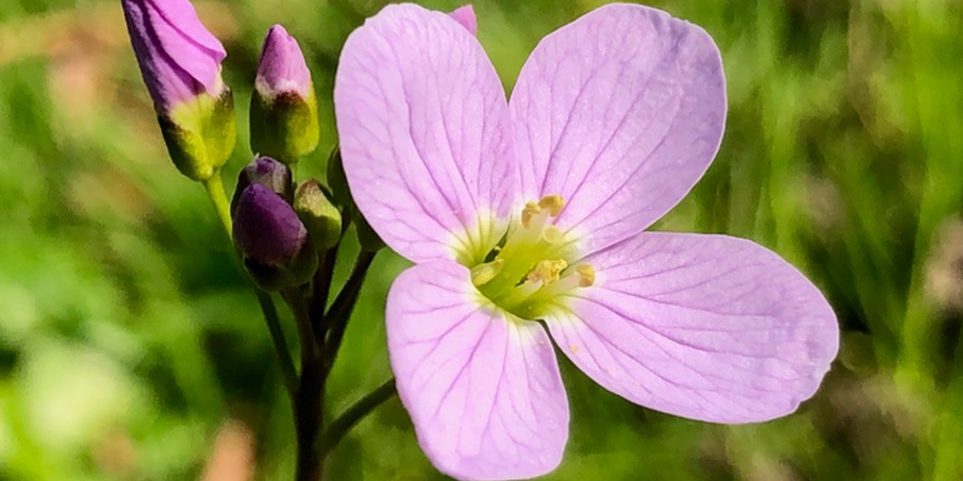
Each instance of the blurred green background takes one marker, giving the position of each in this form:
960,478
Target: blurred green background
131,349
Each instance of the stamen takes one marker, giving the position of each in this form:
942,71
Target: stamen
581,277
530,267
552,234
552,203
586,275
484,273
547,271
530,210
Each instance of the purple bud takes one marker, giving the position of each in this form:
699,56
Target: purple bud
465,15
267,172
266,228
178,57
282,67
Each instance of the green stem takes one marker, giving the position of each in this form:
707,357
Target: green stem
215,192
340,312
280,343
336,431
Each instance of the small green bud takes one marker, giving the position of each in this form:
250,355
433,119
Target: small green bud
318,214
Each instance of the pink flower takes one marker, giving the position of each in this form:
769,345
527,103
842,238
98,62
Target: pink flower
535,209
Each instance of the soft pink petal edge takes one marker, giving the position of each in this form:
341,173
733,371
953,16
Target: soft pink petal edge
620,112
423,123
484,392
705,327
465,15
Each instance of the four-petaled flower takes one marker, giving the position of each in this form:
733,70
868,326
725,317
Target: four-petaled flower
535,210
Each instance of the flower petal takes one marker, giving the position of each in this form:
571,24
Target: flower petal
181,15
465,15
620,113
483,390
705,327
189,44
424,132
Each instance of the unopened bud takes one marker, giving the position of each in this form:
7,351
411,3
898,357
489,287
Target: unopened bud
181,65
284,108
267,172
319,215
275,245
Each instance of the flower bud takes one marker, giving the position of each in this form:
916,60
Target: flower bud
319,215
275,245
180,62
267,172
284,109
465,15
367,237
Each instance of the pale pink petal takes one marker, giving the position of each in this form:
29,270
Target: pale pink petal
701,326
620,113
176,25
483,390
424,129
465,15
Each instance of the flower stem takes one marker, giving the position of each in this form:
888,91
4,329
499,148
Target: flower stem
280,343
336,431
310,395
215,192
322,289
340,313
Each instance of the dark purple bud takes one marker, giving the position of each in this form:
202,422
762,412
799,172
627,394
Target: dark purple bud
274,243
267,172
178,57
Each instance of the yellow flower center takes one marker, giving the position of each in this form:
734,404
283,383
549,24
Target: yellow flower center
530,269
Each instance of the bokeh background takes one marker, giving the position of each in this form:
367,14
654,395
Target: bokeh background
131,349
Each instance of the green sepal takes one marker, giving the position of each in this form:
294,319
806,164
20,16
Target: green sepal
285,127
200,134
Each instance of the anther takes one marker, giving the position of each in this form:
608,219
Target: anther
547,271
530,210
552,203
586,275
484,273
